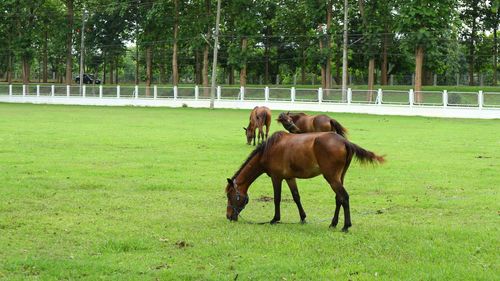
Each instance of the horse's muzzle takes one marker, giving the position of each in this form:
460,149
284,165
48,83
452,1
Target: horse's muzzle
232,218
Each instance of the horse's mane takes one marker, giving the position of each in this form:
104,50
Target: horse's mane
260,149
296,116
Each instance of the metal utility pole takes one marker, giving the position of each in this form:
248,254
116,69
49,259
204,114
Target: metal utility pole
216,48
344,55
82,49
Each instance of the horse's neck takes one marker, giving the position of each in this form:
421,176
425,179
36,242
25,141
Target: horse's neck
249,173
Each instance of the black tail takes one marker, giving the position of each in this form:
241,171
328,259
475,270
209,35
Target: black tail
338,128
363,155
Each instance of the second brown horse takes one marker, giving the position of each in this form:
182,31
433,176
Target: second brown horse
259,117
298,123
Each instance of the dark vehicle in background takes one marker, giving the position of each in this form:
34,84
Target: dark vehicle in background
88,79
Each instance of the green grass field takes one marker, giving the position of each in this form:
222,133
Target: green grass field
138,194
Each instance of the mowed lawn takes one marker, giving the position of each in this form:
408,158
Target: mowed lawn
138,194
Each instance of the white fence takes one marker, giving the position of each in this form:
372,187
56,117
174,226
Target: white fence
388,102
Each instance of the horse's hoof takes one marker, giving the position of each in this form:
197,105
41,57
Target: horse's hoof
345,229
333,226
274,222
303,221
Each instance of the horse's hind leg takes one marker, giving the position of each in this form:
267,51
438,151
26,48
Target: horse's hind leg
335,219
296,198
261,134
341,199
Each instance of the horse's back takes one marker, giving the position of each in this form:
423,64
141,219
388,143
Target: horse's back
301,155
263,115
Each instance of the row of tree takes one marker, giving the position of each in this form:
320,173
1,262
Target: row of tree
259,38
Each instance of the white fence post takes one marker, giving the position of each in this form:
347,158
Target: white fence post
349,95
24,90
218,92
196,92
84,90
320,95
379,97
155,91
52,90
100,91
175,92
68,90
410,97
136,91
37,90
480,99
266,94
117,91
445,98
242,93
10,90
292,94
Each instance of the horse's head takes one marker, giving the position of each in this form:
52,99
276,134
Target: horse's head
236,201
285,118
250,134
287,121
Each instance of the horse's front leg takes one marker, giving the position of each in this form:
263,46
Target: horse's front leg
292,183
277,200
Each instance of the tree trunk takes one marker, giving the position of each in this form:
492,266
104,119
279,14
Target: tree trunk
69,42
149,70
9,69
175,70
136,64
45,58
371,60
26,71
231,75
206,50
323,66
198,67
495,54
104,69
371,70
419,60
111,72
303,69
471,53
328,70
116,70
206,90
162,65
471,63
266,61
243,71
383,70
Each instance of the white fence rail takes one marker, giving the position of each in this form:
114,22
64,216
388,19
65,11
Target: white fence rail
390,102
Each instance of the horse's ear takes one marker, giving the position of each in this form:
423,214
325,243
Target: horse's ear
229,181
245,129
288,113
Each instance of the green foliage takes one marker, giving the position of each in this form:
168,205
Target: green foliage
282,35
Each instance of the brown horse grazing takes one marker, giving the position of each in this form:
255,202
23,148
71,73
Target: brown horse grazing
259,117
286,157
302,123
